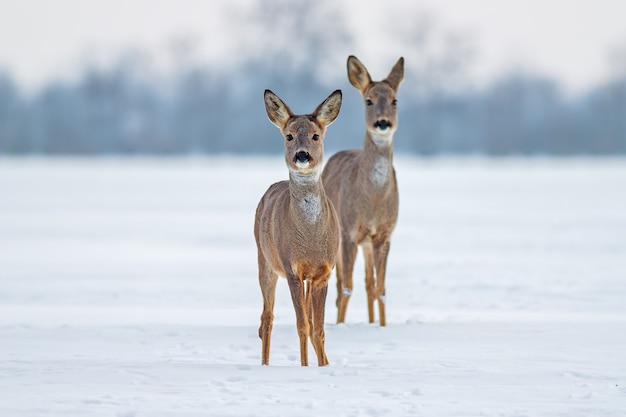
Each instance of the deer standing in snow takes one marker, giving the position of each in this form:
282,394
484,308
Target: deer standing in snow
296,228
362,186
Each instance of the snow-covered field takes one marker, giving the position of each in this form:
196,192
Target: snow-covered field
128,287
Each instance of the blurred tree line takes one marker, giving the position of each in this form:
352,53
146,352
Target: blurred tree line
117,111
125,109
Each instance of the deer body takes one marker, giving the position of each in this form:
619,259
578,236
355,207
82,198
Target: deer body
362,186
296,228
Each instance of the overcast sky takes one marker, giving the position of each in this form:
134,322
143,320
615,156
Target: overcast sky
570,40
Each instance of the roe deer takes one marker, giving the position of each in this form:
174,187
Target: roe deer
362,186
296,228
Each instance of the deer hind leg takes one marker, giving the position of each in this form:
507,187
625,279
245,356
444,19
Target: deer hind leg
296,288
344,284
267,281
381,251
339,272
368,254
318,291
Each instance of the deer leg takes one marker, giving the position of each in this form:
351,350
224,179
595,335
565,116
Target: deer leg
339,272
309,305
319,289
267,281
368,254
296,287
381,251
348,255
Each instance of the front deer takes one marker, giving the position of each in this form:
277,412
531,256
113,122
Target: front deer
362,186
296,228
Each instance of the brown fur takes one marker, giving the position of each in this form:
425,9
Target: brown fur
296,228
362,186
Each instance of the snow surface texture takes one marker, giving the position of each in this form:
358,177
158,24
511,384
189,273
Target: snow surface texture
129,288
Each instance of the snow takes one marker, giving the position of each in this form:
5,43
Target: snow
128,287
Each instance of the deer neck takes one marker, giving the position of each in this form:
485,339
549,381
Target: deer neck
307,196
377,160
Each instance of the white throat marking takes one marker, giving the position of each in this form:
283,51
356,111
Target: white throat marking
380,172
311,206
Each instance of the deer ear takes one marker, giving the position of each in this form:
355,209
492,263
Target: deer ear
396,75
357,74
277,111
327,112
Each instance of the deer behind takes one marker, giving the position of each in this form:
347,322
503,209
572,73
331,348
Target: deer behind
362,186
296,228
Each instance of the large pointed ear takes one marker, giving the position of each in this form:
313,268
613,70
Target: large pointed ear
357,74
277,111
327,112
396,75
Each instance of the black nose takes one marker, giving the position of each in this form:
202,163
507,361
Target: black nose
302,156
382,124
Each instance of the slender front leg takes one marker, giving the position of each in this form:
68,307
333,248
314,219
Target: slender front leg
296,287
308,302
368,254
319,289
381,251
348,256
267,281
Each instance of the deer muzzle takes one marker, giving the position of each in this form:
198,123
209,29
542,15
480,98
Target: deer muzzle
302,157
382,124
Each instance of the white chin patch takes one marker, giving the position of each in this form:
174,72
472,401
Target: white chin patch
302,165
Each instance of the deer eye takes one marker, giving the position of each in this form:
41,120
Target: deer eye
316,136
394,102
369,102
289,137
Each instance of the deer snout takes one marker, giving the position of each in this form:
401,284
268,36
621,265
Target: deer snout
382,124
302,157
